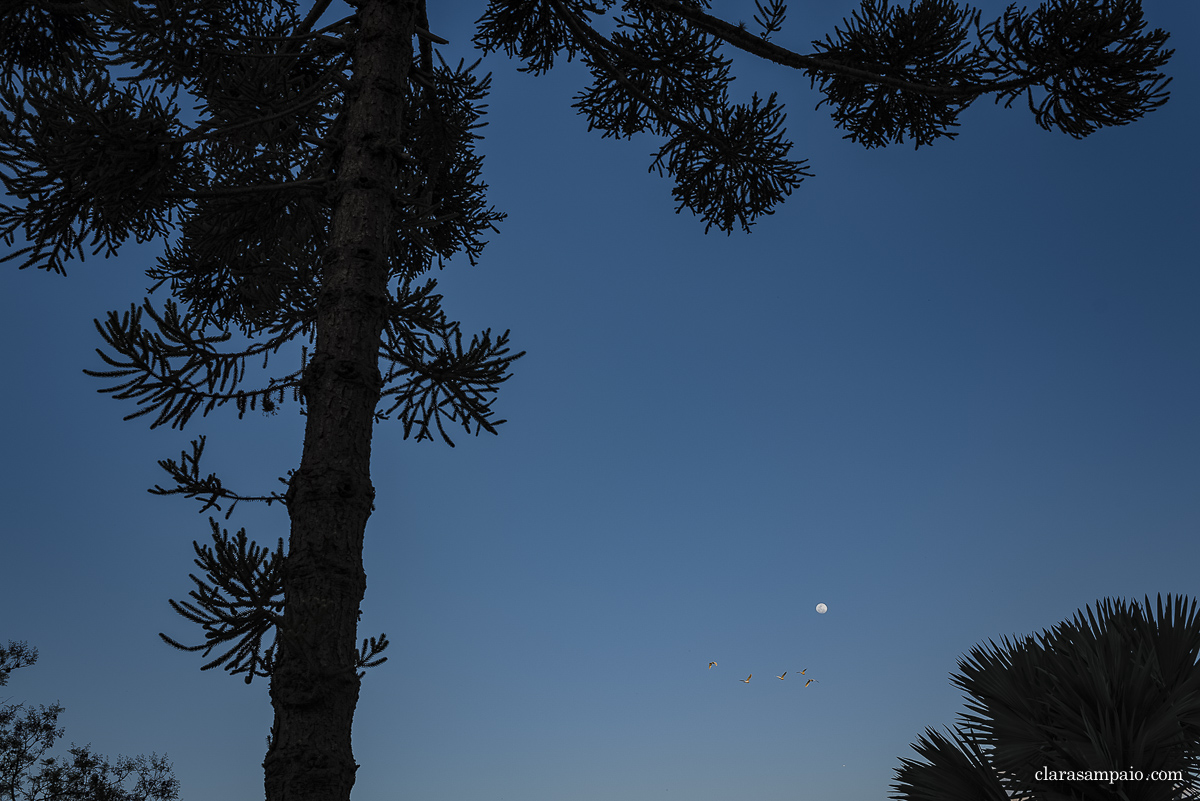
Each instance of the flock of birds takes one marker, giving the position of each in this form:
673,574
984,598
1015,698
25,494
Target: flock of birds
746,680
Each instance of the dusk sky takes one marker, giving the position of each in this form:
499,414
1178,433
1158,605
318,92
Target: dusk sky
953,393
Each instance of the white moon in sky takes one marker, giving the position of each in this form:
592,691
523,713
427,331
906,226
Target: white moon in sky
822,609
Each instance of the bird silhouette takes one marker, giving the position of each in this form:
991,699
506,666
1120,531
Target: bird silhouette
781,677
810,681
712,665
802,672
747,679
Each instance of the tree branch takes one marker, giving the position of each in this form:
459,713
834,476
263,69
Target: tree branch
587,38
188,483
745,41
242,190
208,130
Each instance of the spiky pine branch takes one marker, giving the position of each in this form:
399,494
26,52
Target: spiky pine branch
89,158
773,17
110,171
1091,59
188,483
450,383
241,602
439,380
889,65
174,391
667,77
893,72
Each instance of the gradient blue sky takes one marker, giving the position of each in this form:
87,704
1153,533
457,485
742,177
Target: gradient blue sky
952,393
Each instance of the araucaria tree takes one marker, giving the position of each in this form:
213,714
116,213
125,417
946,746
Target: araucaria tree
333,163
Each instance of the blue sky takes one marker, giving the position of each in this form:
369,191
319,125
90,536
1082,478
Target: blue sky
952,393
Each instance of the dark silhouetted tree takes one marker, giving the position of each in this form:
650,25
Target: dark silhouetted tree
86,776
1118,690
333,164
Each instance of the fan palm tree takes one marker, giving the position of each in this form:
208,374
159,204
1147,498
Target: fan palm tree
1089,710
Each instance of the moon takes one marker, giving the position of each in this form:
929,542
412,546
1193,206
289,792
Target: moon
822,609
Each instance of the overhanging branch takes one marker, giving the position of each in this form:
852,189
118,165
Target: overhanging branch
744,40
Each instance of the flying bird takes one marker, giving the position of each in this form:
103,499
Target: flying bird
810,681
712,665
781,677
802,672
747,679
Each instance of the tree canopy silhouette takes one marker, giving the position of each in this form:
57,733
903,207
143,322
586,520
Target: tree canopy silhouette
86,776
1101,707
333,164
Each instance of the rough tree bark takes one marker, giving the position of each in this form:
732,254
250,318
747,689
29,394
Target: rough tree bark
314,689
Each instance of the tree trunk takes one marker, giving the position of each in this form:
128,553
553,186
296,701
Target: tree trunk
314,685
